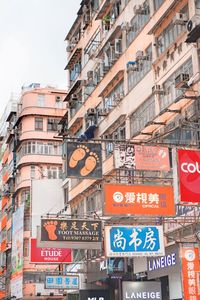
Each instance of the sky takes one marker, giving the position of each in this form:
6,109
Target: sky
32,46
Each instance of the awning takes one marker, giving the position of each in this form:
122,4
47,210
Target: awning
112,83
73,58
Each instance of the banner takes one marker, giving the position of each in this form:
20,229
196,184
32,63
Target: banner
62,282
129,241
17,253
84,160
189,175
49,255
141,290
138,200
190,272
152,158
141,157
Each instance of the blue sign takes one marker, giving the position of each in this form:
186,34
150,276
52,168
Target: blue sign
62,282
128,241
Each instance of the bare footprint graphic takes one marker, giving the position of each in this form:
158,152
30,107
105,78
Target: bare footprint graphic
90,164
50,227
77,155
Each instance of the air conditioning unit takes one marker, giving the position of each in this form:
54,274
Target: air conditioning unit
157,89
139,55
126,26
90,75
74,97
75,39
118,46
58,98
181,81
137,9
131,65
180,19
118,97
91,112
105,136
103,112
70,47
86,19
192,23
71,104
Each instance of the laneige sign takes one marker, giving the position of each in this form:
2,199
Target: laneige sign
164,265
139,290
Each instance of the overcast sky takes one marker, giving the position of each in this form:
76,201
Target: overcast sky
32,47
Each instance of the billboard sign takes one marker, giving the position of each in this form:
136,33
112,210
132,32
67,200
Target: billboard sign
17,253
65,233
84,160
94,294
62,282
164,265
129,241
138,200
189,175
152,158
142,157
190,271
49,255
138,290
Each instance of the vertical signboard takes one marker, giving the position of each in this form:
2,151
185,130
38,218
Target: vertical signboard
190,271
129,241
189,175
84,160
17,253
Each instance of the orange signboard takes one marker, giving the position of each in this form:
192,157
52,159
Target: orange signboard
190,271
152,158
138,200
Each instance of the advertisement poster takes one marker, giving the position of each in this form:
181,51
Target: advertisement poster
130,241
138,200
142,157
190,271
17,253
84,160
189,175
62,282
49,255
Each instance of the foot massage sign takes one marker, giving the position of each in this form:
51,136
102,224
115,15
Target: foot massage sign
84,160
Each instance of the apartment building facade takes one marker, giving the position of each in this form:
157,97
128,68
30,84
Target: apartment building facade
133,78
31,154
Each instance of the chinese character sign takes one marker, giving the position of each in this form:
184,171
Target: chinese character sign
70,230
189,175
138,200
190,269
152,158
84,160
129,241
62,282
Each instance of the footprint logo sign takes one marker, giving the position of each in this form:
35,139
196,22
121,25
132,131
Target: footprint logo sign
84,160
50,227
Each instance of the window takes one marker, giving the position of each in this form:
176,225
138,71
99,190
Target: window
143,114
39,124
26,247
157,4
52,124
54,172
41,100
32,173
134,77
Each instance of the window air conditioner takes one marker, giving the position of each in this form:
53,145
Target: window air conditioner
74,97
70,48
192,23
181,81
75,39
180,19
157,89
103,112
91,112
71,104
90,75
58,98
139,55
137,9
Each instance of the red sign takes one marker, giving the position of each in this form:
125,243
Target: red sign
190,271
138,200
49,255
152,158
189,175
